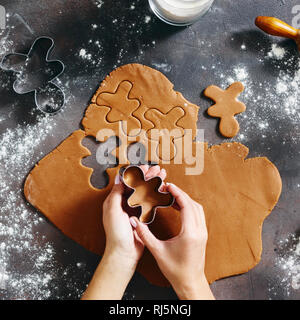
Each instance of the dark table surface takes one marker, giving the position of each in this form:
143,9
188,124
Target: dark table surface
92,38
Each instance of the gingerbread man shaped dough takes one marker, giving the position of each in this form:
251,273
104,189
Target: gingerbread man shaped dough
226,107
146,193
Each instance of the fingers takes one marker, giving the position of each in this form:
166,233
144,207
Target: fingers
115,196
199,212
187,207
144,167
152,172
182,199
201,216
147,237
162,174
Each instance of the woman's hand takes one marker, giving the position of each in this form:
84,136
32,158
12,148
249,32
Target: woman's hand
182,258
123,246
120,238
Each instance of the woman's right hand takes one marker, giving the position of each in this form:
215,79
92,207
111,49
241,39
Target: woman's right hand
182,258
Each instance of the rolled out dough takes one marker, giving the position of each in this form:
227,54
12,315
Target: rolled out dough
237,193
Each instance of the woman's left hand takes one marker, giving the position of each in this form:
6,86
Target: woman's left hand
123,246
120,239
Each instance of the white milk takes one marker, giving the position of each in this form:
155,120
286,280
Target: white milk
180,12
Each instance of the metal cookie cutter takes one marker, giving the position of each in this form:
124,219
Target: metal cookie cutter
146,193
36,73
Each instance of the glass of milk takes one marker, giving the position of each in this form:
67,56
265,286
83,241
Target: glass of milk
180,12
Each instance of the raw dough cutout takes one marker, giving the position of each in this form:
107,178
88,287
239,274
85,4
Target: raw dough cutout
165,125
146,193
168,121
136,81
121,106
226,107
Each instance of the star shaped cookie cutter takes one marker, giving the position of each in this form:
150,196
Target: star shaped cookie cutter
145,193
35,72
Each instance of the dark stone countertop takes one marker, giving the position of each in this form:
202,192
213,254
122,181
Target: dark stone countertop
222,46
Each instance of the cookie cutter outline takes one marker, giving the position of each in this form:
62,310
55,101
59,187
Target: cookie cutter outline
122,172
47,60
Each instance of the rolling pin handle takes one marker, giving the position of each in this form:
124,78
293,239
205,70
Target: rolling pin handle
276,27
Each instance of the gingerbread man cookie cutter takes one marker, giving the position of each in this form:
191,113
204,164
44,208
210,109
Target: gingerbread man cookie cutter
35,72
146,193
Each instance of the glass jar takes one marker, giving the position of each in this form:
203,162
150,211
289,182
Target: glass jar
180,12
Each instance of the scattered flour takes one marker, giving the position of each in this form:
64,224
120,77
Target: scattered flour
89,58
128,32
18,240
240,73
164,67
29,268
147,19
16,27
272,105
5,45
19,151
84,55
99,3
291,265
288,265
268,103
276,52
28,265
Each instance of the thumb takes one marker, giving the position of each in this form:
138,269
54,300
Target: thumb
147,237
117,191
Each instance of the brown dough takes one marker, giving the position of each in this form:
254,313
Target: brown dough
123,111
166,121
237,194
146,193
226,107
160,96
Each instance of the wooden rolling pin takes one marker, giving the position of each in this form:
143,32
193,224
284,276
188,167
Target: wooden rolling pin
278,28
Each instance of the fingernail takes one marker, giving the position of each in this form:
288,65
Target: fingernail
133,222
163,170
169,184
117,179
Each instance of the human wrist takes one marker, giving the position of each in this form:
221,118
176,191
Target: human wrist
111,278
120,258
193,289
117,268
